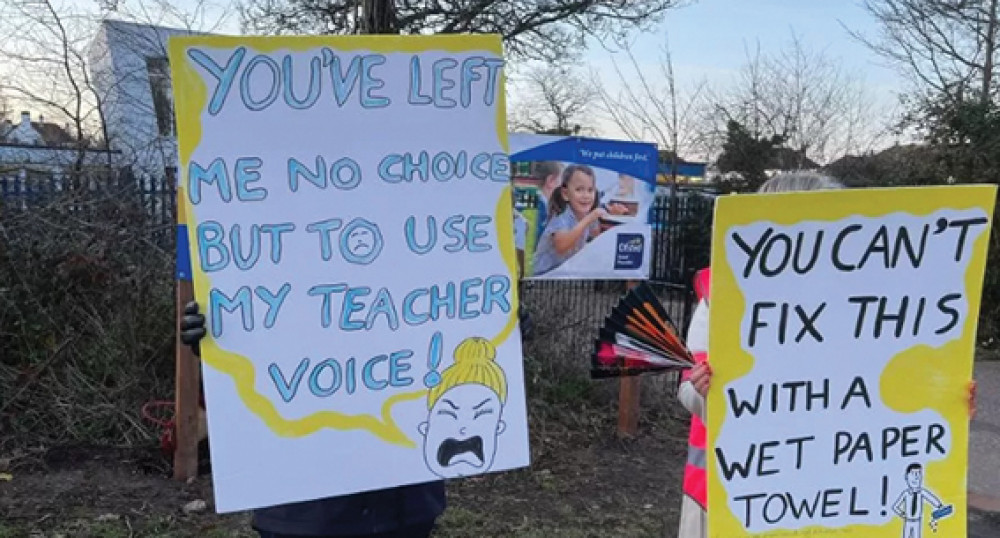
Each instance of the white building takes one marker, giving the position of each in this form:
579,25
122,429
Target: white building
128,64
29,147
24,133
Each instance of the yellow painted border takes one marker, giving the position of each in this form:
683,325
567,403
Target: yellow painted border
951,363
190,103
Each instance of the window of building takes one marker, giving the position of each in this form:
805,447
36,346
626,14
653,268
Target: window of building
163,105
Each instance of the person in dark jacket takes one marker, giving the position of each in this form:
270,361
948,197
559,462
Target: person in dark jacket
402,512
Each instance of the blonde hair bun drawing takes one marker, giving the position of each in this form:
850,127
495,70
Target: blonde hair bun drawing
475,363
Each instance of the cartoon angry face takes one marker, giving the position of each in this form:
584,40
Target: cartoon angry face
460,435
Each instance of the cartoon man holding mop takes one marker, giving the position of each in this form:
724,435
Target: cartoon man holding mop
910,504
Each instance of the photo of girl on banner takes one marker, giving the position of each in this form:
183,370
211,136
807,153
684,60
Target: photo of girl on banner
587,204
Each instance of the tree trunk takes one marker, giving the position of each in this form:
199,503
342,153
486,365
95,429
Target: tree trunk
991,48
378,17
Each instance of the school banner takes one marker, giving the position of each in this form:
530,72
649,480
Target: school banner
842,333
585,204
348,208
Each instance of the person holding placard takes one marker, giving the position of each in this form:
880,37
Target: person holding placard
401,512
695,384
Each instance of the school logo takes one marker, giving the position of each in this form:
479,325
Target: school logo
628,255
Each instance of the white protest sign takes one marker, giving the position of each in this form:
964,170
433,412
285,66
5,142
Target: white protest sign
350,223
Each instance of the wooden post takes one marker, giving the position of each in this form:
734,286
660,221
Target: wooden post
186,394
628,399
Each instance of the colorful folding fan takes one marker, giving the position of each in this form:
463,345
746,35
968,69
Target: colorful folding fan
637,338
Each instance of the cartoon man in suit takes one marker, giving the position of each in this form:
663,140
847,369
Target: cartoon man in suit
910,504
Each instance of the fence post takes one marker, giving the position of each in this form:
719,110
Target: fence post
628,398
186,396
188,375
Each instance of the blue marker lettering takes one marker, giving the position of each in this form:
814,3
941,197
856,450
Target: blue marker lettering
441,84
473,232
351,381
369,83
452,229
419,167
287,389
493,66
447,171
460,164
470,75
343,83
397,367
210,234
383,305
350,306
352,168
326,309
274,302
500,168
323,229
216,173
410,316
446,301
416,98
335,378
245,263
315,71
224,76
467,297
272,94
296,169
383,168
479,166
246,172
275,231
368,375
219,301
411,235
497,288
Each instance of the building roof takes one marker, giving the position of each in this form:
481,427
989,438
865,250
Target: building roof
52,134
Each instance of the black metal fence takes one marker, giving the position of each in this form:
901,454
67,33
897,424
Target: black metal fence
681,221
22,190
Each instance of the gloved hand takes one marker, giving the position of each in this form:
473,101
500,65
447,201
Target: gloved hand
192,327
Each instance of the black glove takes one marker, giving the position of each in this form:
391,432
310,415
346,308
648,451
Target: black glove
192,327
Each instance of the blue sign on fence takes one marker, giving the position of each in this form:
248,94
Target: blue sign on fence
587,202
183,254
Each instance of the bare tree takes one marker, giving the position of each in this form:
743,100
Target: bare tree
49,50
552,99
949,46
650,106
4,104
804,98
46,65
549,30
